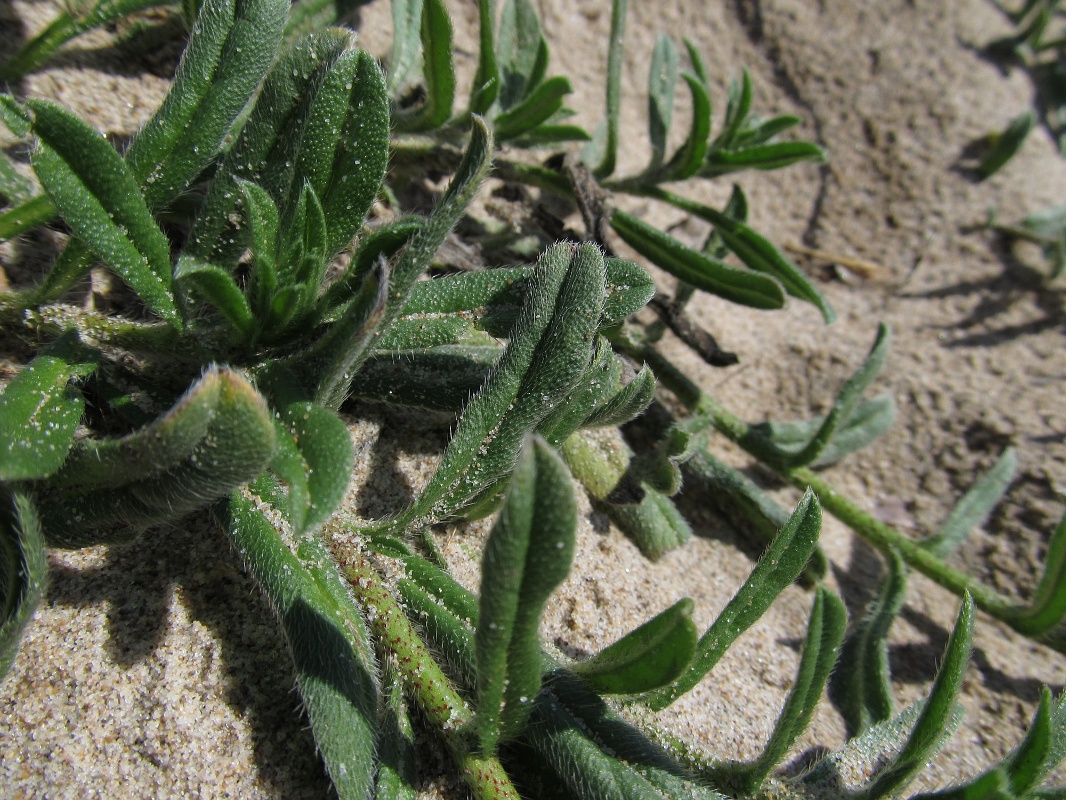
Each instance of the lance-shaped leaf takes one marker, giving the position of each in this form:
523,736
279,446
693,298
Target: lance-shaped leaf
265,152
862,687
824,634
737,109
349,343
236,445
760,254
766,157
323,441
344,145
486,86
230,48
868,420
22,571
974,506
541,105
602,152
549,351
438,72
779,566
406,44
662,78
1024,768
99,197
335,671
596,755
646,658
442,378
1048,606
397,774
937,719
218,288
843,409
522,52
688,159
740,500
39,413
527,555
1006,144
696,268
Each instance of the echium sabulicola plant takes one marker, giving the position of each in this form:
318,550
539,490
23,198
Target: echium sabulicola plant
262,300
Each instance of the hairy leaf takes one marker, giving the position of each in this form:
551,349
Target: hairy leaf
23,570
662,78
975,506
486,86
437,70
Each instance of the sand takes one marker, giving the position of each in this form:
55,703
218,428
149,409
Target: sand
158,671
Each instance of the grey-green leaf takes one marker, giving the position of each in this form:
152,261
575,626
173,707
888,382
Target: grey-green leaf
662,79
974,506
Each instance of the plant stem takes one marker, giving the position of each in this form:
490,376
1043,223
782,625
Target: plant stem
422,676
873,530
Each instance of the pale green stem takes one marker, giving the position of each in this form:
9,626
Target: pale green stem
423,677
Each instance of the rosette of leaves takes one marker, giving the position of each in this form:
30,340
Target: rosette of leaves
218,384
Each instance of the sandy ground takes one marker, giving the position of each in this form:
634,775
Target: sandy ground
158,671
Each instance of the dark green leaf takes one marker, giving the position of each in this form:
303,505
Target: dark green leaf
764,131
526,557
1048,606
646,658
519,50
937,717
541,104
438,71
824,634
772,156
23,570
230,49
779,566
397,775
1005,145
486,86
738,107
698,269
217,287
862,687
335,670
323,441
603,163
690,156
98,196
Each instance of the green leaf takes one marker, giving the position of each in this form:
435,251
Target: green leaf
15,188
344,146
347,346
603,163
937,717
520,47
975,506
39,413
323,441
700,270
765,131
438,71
662,78
23,571
646,658
541,104
862,687
441,378
230,49
779,566
263,223
824,634
737,109
236,446
66,27
406,44
1048,606
690,156
526,557
397,773
335,670
549,352
869,419
1006,144
776,155
844,407
217,287
740,500
486,86
98,196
